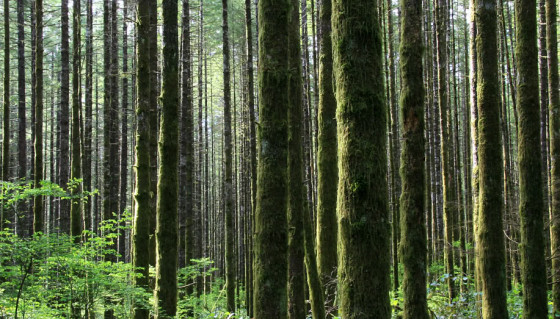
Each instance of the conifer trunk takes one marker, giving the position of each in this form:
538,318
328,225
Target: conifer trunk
166,229
296,281
489,230
554,116
22,124
412,218
38,120
363,217
271,238
533,269
76,220
228,184
327,174
142,213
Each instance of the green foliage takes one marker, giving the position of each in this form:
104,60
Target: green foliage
213,303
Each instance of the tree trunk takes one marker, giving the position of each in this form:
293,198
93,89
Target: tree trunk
530,176
363,217
38,120
271,237
22,122
413,229
88,124
554,116
6,115
489,234
327,172
64,155
76,221
166,229
228,184
296,281
142,214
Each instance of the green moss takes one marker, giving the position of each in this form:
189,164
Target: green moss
490,262
531,208
363,216
271,238
412,219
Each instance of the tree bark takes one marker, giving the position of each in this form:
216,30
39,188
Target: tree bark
533,269
271,237
363,216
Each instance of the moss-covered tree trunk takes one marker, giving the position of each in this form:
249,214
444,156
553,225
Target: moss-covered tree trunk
6,114
271,237
363,216
296,202
531,207
76,220
327,173
489,230
228,183
38,121
252,151
554,116
413,230
166,229
142,207
449,193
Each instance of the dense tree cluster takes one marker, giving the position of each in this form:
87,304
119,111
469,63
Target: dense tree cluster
280,158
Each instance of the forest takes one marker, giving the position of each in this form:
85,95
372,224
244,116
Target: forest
276,159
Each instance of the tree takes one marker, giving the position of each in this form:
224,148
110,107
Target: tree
64,154
166,228
76,207
554,115
489,232
449,193
533,269
88,112
327,175
296,295
271,240
142,213
363,217
38,120
229,202
413,229
6,115
22,125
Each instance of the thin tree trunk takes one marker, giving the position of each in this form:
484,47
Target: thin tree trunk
76,221
38,120
166,231
64,163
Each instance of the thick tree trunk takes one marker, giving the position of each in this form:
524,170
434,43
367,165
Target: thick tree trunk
412,218
271,234
489,231
363,216
532,246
